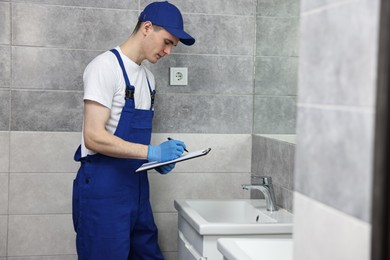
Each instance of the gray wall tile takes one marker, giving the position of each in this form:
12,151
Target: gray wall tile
70,27
40,235
242,7
276,76
258,143
167,230
48,193
5,67
278,7
39,152
322,233
203,114
43,152
5,23
342,73
3,235
284,197
277,36
287,138
219,38
273,158
207,74
274,115
339,175
170,255
43,68
53,257
4,110
3,194
4,152
176,185
118,4
233,156
46,111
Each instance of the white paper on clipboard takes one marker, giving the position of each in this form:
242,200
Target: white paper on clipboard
188,156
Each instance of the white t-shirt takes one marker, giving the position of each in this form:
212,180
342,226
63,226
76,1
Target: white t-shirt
105,84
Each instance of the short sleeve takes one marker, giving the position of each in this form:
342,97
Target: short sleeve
100,81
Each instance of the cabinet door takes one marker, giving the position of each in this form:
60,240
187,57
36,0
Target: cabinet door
186,251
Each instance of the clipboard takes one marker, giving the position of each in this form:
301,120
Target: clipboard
188,156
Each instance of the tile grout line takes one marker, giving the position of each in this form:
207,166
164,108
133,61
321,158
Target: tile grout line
11,80
339,107
254,58
9,134
128,9
327,7
160,94
47,90
103,50
75,6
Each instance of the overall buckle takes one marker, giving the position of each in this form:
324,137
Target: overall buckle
129,94
152,95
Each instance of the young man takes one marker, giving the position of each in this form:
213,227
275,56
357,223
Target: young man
111,210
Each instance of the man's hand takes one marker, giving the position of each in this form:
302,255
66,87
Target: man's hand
166,151
166,168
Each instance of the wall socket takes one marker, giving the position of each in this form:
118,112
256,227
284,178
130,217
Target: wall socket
178,76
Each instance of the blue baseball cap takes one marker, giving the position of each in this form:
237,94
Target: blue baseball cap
168,16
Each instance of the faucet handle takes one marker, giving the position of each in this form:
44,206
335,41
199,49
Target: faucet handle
265,179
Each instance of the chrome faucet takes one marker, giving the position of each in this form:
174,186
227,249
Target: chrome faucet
267,189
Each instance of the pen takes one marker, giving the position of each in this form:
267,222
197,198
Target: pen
172,139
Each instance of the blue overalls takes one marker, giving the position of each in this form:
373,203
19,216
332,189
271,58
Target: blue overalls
111,210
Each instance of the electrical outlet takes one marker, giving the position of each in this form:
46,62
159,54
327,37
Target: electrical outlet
178,76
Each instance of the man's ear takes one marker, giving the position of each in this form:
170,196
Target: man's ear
147,27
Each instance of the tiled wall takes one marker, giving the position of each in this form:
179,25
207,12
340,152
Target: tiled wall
276,79
275,158
276,60
35,194
44,47
336,108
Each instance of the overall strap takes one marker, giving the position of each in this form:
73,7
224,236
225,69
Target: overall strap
129,88
152,94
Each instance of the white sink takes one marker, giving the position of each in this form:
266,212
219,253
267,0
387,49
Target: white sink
234,217
229,211
256,248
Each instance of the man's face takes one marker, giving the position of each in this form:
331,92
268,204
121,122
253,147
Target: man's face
159,43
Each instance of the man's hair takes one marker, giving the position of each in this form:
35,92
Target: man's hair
138,26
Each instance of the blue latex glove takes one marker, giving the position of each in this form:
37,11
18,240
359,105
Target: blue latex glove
166,168
166,151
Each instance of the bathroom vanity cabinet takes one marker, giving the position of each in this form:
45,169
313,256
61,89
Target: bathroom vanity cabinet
198,233
194,246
